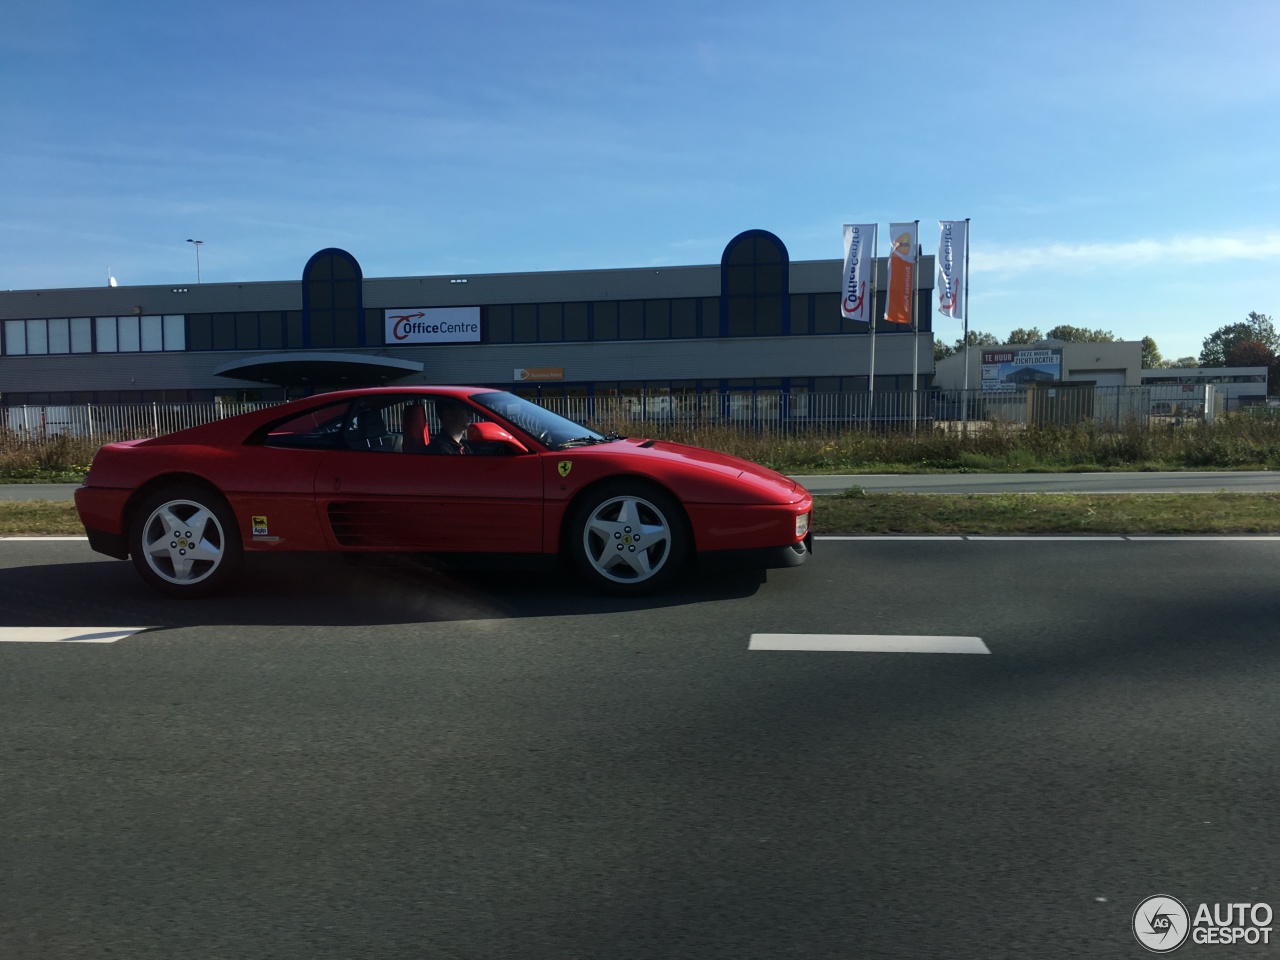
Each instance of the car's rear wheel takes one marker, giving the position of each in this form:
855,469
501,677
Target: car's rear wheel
184,541
628,538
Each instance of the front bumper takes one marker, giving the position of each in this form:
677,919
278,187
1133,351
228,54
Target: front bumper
112,544
758,558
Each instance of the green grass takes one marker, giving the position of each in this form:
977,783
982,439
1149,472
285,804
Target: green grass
1233,443
856,513
39,518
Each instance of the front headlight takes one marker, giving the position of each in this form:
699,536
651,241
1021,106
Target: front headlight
802,525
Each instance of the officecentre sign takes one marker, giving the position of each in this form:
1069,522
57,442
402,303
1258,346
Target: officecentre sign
432,325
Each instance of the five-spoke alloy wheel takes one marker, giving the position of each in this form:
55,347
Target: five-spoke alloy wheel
628,538
184,541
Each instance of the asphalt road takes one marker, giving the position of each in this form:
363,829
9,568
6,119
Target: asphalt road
1254,481
335,762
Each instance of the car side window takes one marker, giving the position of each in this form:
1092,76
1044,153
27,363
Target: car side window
374,424
317,429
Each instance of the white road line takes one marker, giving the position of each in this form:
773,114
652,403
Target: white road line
67,634
29,539
865,643
1145,539
1117,538
888,536
1056,539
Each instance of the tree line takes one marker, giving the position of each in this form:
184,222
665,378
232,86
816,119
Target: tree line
1253,342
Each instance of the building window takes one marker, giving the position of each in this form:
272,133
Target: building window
175,332
605,321
550,322
105,329
524,323
657,320
801,307
81,335
15,337
37,336
631,320
498,323
684,318
575,322
754,297
151,331
332,300
59,336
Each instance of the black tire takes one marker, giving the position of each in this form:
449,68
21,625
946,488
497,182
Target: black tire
184,541
628,538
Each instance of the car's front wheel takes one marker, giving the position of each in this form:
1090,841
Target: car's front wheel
628,539
184,541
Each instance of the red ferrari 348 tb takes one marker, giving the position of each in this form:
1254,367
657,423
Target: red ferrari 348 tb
434,470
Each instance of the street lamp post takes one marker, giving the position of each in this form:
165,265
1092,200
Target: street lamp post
197,243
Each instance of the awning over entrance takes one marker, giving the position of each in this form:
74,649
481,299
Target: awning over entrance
319,369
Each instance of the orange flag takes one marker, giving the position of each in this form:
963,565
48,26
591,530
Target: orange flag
902,272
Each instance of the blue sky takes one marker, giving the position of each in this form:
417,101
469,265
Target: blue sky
1120,160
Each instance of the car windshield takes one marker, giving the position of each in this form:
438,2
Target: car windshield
549,428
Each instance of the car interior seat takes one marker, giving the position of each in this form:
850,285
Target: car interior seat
369,432
414,428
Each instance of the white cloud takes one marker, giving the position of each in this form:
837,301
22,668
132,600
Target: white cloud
1177,251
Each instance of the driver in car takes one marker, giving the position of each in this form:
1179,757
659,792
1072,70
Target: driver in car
451,438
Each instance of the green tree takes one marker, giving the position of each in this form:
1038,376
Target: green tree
1021,335
1183,362
1257,326
1070,334
1151,358
976,338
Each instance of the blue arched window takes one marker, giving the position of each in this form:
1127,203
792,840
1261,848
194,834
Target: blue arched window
755,286
333,300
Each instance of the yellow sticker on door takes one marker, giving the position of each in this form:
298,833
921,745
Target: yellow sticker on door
260,526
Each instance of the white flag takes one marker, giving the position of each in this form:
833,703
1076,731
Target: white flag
899,306
952,246
859,246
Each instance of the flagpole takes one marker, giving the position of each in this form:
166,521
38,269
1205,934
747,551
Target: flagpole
915,333
875,276
964,403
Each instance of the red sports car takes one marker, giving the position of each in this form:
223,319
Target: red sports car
435,470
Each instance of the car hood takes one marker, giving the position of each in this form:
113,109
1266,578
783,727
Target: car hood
706,461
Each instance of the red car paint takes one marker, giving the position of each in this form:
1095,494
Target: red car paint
361,500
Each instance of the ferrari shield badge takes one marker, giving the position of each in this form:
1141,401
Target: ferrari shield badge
564,466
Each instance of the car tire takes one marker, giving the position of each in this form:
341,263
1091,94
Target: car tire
184,541
628,538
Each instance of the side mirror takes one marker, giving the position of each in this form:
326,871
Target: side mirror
488,432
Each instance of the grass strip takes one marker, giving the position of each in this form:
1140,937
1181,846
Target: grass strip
918,513
1046,513
36,518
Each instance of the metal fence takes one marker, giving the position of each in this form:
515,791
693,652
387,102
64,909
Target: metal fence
116,420
1107,407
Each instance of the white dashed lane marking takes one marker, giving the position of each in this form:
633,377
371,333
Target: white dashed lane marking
865,643
67,634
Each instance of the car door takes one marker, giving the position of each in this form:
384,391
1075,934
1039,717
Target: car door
378,497
270,484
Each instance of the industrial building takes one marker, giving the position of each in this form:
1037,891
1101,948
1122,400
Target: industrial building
755,322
